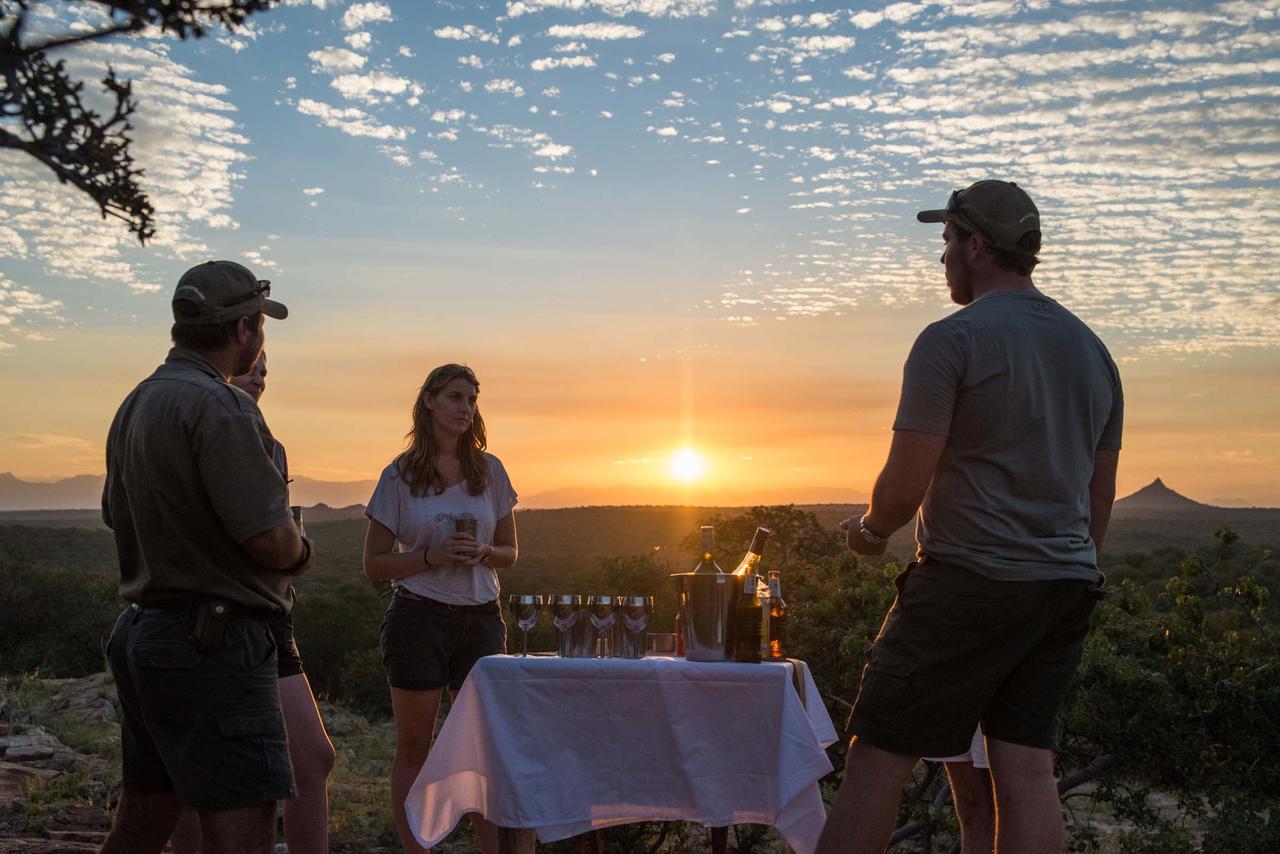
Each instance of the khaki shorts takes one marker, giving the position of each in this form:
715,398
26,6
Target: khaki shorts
957,649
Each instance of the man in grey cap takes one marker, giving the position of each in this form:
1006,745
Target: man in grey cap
207,549
1006,441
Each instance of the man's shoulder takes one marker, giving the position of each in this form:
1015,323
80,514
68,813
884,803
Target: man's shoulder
197,389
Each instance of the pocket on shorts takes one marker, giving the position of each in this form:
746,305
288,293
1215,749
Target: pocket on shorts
166,655
886,680
258,734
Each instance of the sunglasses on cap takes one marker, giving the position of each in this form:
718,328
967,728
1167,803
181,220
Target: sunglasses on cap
262,291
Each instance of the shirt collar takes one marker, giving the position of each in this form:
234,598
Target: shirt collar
181,356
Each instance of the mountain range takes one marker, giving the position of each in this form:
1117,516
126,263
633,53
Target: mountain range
83,492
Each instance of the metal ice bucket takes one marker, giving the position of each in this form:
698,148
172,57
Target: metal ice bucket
705,602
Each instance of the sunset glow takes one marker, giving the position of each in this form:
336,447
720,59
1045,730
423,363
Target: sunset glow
702,217
687,466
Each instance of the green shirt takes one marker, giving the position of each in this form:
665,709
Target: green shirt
1026,394
190,478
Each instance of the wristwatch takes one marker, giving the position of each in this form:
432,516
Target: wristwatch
867,534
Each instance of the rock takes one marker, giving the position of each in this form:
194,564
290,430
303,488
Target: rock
28,754
14,779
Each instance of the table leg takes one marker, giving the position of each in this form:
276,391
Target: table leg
719,840
516,840
587,843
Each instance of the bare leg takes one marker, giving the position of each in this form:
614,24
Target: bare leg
186,836
251,830
306,817
1028,812
415,716
143,823
972,794
865,809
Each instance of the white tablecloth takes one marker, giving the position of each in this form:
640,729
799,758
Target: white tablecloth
570,745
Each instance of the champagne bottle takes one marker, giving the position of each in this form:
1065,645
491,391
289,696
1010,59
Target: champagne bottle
752,558
777,618
747,621
708,562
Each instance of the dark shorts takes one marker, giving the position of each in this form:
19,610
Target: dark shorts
206,726
428,645
957,648
288,661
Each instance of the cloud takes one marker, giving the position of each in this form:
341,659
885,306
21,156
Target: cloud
466,33
361,14
553,151
597,31
335,59
550,62
351,121
372,87
312,191
505,86
617,8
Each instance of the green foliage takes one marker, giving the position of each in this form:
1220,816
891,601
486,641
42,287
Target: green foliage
56,621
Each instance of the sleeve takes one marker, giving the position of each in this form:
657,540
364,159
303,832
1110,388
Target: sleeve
1110,438
931,380
500,488
384,504
246,491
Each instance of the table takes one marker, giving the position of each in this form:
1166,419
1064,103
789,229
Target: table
566,746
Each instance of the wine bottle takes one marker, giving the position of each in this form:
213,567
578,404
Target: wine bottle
752,558
708,562
777,618
747,621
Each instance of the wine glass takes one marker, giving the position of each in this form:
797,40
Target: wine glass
602,614
636,613
526,609
564,614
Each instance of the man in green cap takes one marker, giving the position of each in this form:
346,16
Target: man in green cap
207,549
1006,441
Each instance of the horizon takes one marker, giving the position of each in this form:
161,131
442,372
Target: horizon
675,238
312,493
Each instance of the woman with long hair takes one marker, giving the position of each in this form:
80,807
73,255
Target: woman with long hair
440,526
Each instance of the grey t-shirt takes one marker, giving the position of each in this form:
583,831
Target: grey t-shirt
1025,394
420,521
190,478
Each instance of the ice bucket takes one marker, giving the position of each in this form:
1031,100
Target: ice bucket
705,602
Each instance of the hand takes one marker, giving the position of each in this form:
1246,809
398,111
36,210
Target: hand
855,540
464,549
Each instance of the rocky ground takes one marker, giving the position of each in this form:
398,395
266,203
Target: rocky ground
60,771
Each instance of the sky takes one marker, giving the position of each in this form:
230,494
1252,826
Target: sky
653,226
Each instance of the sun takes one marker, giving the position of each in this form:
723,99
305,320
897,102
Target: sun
687,465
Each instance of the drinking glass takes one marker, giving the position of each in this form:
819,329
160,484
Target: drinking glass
526,609
636,613
564,614
465,523
602,614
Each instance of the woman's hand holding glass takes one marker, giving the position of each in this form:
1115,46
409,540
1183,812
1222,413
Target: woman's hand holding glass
458,548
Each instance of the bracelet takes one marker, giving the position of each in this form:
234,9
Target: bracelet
426,562
867,534
304,561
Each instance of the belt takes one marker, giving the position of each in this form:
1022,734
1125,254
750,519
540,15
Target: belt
490,607
185,606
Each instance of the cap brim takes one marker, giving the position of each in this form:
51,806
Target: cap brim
274,309
932,216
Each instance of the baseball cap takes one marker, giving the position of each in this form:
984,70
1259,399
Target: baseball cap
221,291
1000,211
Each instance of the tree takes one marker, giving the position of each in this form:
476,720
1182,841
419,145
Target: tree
43,113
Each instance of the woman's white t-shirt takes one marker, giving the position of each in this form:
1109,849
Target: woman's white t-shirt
418,522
